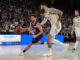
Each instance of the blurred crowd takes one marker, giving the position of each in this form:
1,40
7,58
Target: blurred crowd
67,22
14,16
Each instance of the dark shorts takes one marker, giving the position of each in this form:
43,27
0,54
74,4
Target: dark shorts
35,40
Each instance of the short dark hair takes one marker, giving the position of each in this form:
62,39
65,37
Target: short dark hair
34,15
44,4
77,10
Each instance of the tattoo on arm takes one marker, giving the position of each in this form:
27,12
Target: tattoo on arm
59,12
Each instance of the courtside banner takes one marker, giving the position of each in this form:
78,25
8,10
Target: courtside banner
10,38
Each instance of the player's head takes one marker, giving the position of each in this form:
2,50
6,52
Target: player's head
33,17
76,13
43,6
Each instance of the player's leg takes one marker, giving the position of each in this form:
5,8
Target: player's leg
49,46
60,43
56,31
57,42
34,41
53,33
43,43
28,47
76,43
77,39
38,42
49,43
22,53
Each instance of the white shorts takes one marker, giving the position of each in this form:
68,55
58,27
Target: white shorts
77,32
54,31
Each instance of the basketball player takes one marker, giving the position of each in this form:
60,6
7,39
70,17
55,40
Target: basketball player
37,35
53,15
76,28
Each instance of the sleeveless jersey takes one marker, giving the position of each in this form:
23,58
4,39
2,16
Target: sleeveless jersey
77,22
36,30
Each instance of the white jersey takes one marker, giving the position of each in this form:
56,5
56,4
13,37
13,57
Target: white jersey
77,22
53,21
77,26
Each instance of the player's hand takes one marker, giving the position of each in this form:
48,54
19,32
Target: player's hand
72,33
37,25
78,22
34,36
23,29
32,32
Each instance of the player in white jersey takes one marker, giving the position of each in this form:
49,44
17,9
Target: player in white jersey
53,16
76,28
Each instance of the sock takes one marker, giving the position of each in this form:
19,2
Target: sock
76,44
42,42
24,51
50,50
58,42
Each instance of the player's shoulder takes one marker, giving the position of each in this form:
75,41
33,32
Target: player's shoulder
74,19
38,22
52,8
38,25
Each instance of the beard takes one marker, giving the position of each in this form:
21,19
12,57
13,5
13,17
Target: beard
76,15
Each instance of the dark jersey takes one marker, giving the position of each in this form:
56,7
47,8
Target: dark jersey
36,30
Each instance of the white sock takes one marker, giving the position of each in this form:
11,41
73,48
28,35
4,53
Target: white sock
50,50
76,44
58,42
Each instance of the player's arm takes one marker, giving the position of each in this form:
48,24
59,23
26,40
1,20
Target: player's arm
44,20
28,29
57,11
40,28
73,27
57,24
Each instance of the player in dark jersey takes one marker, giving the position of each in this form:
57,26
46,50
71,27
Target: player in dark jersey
37,35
